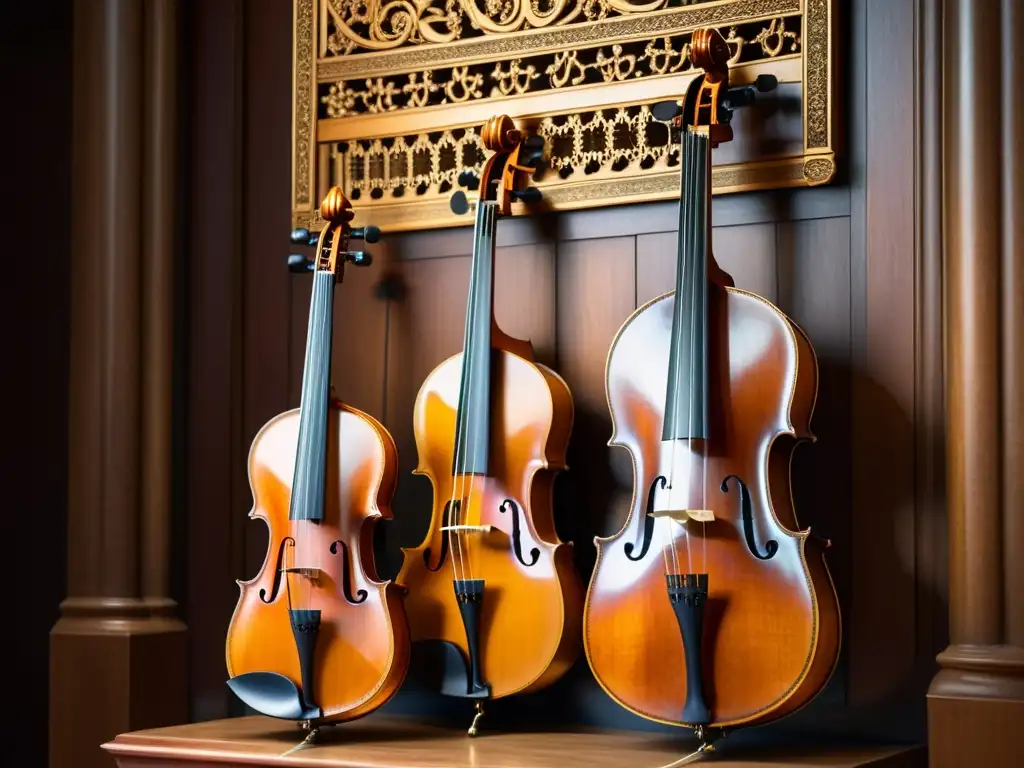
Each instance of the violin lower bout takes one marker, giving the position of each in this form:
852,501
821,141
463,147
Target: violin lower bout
362,645
533,597
771,625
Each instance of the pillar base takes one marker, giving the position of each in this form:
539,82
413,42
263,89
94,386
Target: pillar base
116,665
976,708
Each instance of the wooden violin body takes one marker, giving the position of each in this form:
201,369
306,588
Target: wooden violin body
364,635
494,601
316,636
771,624
533,596
710,608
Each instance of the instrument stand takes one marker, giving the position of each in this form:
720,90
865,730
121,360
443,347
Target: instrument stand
479,706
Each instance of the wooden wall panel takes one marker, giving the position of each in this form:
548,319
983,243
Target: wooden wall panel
596,293
524,295
839,259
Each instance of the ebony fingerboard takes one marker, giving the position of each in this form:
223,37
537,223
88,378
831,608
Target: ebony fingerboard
686,399
307,501
472,428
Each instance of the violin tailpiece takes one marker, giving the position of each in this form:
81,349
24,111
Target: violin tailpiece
470,595
688,594
306,628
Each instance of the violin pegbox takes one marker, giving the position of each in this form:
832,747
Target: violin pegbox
332,243
507,173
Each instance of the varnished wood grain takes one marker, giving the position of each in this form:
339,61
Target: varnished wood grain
363,651
530,615
771,626
383,742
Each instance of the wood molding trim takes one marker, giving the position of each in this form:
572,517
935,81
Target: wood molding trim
976,701
118,651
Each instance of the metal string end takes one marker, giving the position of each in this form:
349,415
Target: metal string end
473,730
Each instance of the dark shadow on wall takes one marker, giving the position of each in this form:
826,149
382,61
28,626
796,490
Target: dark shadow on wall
36,49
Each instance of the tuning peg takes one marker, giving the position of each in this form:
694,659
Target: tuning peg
303,236
666,111
469,180
359,258
530,195
459,203
532,152
368,234
744,95
299,263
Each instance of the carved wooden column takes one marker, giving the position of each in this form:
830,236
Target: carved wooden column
976,702
118,654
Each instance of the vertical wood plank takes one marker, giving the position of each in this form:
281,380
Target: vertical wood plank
426,328
596,293
524,295
747,252
883,651
813,259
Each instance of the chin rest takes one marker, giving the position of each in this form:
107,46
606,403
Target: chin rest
273,695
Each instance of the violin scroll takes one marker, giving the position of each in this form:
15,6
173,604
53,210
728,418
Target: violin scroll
710,101
332,243
506,174
500,134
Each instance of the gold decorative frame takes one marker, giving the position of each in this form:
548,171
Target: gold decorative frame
389,96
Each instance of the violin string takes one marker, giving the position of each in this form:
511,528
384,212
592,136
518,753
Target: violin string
455,512
666,524
705,222
694,207
472,328
685,215
462,437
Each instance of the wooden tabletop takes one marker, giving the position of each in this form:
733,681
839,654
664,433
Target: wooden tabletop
399,742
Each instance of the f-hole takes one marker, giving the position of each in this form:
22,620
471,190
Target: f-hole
277,572
346,574
771,546
647,532
517,543
451,509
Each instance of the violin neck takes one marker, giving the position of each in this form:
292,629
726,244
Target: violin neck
472,425
686,401
307,502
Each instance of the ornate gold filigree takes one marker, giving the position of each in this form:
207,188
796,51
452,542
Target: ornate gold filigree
378,25
816,74
302,123
565,69
387,94
818,170
607,31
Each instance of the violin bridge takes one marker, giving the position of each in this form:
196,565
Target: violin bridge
682,515
468,528
313,574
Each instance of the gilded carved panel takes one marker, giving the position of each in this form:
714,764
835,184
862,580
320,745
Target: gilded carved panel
389,96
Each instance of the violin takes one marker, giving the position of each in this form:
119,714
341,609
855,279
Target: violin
494,600
316,637
710,608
